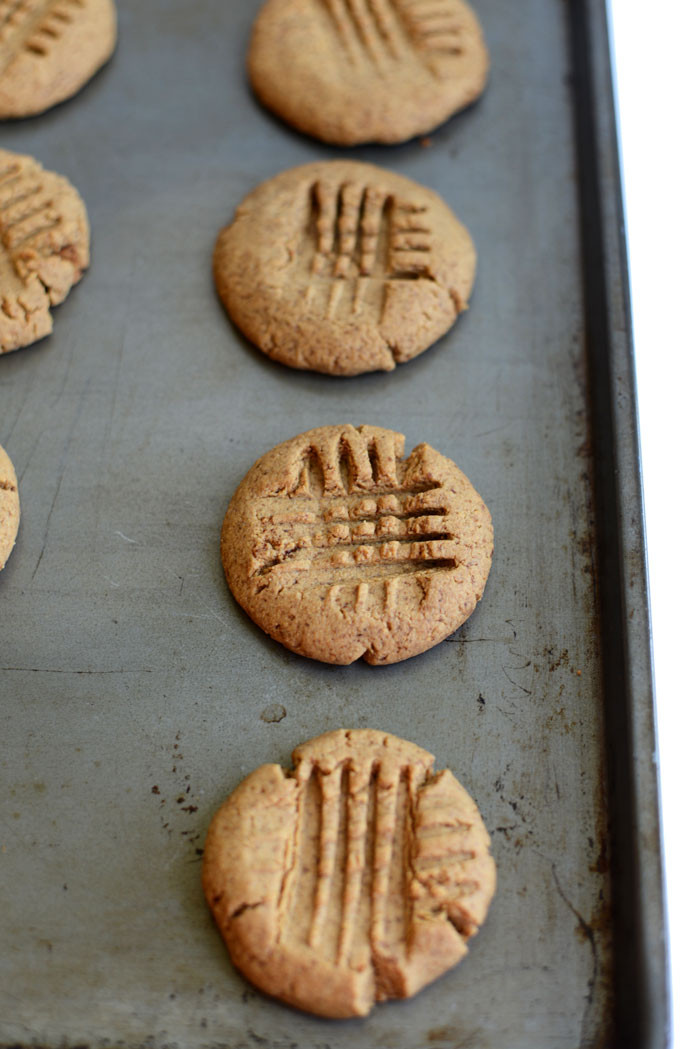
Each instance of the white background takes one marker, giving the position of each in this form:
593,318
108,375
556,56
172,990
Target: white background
657,51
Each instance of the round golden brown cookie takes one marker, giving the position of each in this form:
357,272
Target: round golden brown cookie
340,549
44,247
356,877
342,267
49,49
9,507
351,71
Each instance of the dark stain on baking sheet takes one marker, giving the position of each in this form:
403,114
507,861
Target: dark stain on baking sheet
273,714
450,1037
595,931
177,799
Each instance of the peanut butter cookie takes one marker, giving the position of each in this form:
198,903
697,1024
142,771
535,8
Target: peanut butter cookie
342,267
9,507
49,49
341,549
44,247
352,71
356,877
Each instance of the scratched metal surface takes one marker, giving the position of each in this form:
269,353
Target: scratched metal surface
136,695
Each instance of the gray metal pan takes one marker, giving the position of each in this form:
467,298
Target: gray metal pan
135,694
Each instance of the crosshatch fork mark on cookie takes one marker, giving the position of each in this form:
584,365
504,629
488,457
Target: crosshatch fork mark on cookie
343,548
358,847
33,25
348,521
27,213
362,238
387,32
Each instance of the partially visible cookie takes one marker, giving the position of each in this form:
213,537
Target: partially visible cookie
341,549
44,247
342,267
9,507
49,49
356,877
352,71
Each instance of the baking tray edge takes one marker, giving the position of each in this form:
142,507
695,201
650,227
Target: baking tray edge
641,975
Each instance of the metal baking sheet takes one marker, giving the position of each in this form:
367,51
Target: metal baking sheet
136,695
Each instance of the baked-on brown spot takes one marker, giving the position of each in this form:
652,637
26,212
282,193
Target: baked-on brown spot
343,268
44,247
49,49
9,507
340,549
358,876
352,71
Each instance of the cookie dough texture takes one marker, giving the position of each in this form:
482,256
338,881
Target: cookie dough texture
9,507
343,267
356,877
341,549
49,49
44,247
353,71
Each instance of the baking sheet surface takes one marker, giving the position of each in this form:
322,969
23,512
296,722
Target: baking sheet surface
135,693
